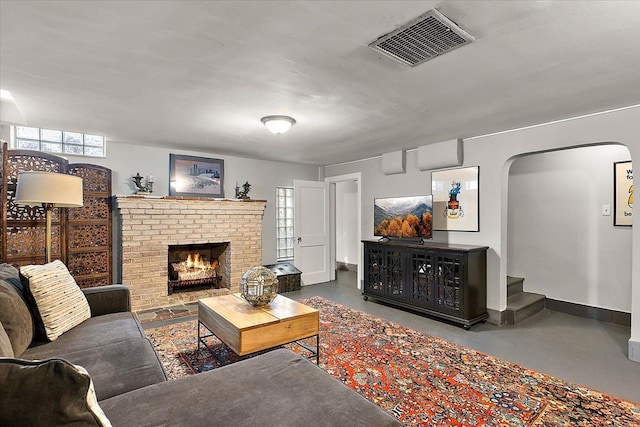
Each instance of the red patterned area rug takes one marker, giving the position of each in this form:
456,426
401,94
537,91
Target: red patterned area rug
421,379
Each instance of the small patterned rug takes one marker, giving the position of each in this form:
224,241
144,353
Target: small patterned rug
420,379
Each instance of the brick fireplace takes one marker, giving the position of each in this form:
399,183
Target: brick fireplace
150,225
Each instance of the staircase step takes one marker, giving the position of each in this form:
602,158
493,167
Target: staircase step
515,285
523,305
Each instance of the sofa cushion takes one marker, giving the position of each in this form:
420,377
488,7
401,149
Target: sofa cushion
108,299
6,350
11,275
279,388
15,317
47,393
59,300
119,367
93,332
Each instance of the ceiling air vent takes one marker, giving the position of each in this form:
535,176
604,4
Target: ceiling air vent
422,39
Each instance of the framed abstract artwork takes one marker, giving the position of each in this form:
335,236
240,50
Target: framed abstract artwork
195,176
623,193
456,199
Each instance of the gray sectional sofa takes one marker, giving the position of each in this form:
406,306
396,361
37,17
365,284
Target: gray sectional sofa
278,388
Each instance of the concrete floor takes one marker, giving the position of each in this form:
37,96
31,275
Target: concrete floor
578,350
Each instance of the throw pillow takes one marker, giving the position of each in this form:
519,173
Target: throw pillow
6,350
10,274
7,271
15,317
59,300
47,393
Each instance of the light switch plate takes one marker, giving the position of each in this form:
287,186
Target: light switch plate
606,210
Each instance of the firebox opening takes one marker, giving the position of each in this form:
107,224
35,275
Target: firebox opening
197,266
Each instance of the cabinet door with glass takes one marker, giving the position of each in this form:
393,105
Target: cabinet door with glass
394,278
420,280
448,274
374,270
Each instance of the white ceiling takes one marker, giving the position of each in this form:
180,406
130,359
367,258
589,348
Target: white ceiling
199,75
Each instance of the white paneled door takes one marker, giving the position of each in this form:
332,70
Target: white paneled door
311,230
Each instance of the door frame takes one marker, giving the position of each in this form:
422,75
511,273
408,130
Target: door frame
332,180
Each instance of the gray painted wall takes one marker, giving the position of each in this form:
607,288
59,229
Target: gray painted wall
125,160
495,154
375,184
5,133
347,244
558,239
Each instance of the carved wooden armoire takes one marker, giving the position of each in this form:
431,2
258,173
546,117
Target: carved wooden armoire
81,237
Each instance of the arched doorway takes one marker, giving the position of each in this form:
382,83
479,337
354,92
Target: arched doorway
558,239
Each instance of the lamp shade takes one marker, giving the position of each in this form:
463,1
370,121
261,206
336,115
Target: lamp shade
36,188
278,124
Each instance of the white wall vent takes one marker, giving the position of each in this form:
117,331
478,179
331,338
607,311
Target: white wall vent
429,35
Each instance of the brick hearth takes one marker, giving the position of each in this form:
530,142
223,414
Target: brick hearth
149,225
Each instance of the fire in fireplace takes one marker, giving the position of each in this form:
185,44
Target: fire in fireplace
197,266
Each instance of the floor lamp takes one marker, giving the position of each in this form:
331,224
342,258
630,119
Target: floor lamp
49,190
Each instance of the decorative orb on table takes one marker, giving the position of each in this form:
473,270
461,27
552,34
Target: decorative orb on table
259,286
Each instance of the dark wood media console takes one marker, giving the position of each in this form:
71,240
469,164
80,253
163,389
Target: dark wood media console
444,281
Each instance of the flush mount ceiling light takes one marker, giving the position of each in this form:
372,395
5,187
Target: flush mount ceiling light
278,124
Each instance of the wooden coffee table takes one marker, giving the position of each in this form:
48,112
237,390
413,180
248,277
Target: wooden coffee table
247,329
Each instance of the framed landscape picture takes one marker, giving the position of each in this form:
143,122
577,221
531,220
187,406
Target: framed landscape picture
195,176
456,199
623,193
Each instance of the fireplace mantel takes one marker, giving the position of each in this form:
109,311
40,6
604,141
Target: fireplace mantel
149,224
204,199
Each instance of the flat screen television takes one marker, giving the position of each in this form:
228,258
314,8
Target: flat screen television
404,217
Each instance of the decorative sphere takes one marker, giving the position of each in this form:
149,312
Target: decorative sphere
259,286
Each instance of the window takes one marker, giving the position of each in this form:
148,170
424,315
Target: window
58,141
284,223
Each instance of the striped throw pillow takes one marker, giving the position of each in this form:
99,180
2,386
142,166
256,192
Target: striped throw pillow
58,298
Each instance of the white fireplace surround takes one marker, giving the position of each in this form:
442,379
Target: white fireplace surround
147,225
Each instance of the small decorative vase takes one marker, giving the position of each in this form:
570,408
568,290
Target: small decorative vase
259,286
